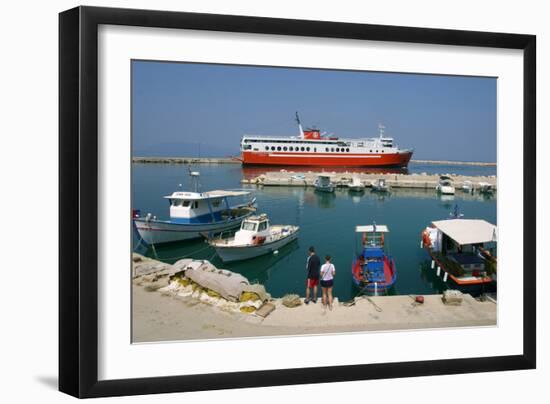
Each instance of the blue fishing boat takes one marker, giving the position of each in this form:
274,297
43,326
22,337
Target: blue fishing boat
195,214
373,270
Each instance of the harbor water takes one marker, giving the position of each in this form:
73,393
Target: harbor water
327,222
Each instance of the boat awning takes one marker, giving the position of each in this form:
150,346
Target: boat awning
206,195
468,231
380,228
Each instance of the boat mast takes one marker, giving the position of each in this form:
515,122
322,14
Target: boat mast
194,179
299,126
381,130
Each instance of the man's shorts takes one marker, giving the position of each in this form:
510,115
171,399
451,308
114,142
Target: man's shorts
311,283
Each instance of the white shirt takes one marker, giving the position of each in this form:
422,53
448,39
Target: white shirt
327,272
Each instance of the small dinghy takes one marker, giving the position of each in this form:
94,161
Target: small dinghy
256,237
324,184
373,270
356,185
380,186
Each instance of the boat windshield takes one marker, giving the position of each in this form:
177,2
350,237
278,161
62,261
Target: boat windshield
251,226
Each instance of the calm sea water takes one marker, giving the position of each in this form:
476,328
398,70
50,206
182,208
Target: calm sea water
326,221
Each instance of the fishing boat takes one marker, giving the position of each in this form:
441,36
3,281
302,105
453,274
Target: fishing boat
256,237
445,185
195,214
486,188
373,270
380,185
356,185
313,148
464,249
468,187
323,183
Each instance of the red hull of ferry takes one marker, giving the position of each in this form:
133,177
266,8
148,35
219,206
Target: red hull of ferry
327,159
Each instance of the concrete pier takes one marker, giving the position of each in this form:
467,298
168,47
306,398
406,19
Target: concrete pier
162,312
342,179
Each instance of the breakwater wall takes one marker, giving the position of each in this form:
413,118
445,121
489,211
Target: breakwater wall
418,181
236,160
186,160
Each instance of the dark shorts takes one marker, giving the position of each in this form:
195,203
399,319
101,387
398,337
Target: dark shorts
311,283
327,284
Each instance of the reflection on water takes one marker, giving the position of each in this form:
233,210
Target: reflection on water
327,221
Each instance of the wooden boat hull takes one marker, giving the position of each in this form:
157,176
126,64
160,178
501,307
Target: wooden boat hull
161,231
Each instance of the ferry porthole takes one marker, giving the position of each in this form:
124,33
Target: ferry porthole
278,148
347,150
272,148
285,148
337,150
307,148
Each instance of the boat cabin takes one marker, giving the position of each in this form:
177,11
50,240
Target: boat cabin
463,244
201,207
254,230
323,180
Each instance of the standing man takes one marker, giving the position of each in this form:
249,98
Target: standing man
313,266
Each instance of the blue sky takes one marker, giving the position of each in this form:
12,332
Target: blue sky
181,108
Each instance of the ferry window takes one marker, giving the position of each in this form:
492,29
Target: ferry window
376,151
262,226
267,148
332,149
291,148
307,148
347,150
381,151
315,149
278,148
337,149
272,148
371,151
285,148
302,148
326,149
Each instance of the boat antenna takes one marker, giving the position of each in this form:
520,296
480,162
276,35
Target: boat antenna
299,125
381,129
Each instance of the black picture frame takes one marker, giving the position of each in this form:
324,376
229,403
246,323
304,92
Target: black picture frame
78,192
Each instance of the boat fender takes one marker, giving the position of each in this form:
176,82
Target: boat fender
426,239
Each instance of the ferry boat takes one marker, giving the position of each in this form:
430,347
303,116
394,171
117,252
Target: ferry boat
194,215
311,148
373,271
256,237
464,249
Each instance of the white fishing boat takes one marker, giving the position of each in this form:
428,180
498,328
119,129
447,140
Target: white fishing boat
256,237
486,188
194,214
467,186
324,184
380,185
445,186
356,185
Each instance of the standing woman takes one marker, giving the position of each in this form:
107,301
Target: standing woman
327,281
